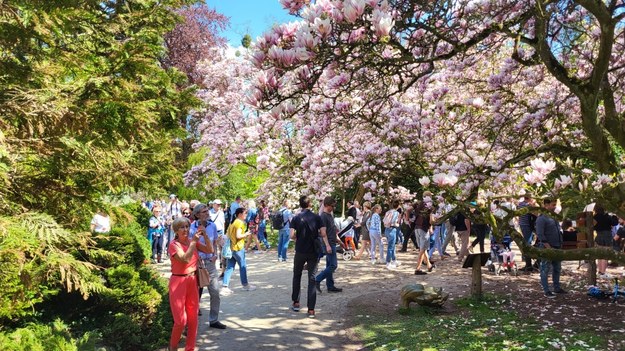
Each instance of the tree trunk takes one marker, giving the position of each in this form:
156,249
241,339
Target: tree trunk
592,264
476,279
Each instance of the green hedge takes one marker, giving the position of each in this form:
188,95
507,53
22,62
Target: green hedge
127,310
46,337
130,243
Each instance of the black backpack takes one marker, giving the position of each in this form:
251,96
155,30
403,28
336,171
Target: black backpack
277,220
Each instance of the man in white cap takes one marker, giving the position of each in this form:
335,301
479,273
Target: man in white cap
217,215
173,211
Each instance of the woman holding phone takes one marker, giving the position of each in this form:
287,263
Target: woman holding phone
183,291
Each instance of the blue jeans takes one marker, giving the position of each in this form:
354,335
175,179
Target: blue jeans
544,271
376,243
399,236
438,238
391,237
283,243
331,264
528,237
262,234
237,257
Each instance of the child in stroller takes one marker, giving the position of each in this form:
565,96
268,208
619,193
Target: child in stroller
501,256
346,239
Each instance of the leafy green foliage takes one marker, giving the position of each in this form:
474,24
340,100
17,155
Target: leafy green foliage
139,213
35,253
242,180
135,313
55,336
87,108
129,243
246,41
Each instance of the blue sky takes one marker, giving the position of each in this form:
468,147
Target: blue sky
251,17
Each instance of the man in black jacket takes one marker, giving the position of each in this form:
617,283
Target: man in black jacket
306,228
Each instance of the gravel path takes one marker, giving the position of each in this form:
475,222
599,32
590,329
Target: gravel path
262,319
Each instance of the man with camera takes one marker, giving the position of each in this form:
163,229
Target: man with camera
202,223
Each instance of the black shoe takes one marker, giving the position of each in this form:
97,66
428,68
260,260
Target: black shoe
419,272
403,250
335,289
318,287
560,291
217,325
550,295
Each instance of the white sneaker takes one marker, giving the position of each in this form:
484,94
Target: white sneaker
373,261
604,276
249,287
225,291
390,265
396,263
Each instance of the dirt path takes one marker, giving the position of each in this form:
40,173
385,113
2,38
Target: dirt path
262,319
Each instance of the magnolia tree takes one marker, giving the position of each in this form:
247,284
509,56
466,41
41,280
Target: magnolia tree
474,96
464,90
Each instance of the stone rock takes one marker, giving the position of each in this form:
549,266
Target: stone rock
423,295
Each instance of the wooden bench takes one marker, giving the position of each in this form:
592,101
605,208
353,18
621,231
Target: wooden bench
574,240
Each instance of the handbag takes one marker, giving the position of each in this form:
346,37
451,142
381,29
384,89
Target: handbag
203,277
226,250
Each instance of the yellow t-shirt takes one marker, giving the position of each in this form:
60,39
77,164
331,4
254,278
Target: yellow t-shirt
236,244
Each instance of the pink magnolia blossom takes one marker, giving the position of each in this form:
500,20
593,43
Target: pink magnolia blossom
323,26
535,177
294,6
353,9
563,181
382,23
443,179
543,167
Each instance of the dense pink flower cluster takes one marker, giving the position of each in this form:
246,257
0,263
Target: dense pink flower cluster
458,96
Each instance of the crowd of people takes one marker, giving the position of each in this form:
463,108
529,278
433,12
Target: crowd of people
219,236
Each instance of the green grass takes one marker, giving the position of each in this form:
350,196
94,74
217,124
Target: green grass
485,325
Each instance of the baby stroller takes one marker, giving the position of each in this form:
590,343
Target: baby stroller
501,256
347,251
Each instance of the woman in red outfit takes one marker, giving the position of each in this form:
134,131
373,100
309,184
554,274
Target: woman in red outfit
183,291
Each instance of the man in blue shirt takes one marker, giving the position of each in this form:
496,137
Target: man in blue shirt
200,212
233,207
284,232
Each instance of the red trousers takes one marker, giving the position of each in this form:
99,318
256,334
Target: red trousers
185,302
349,241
